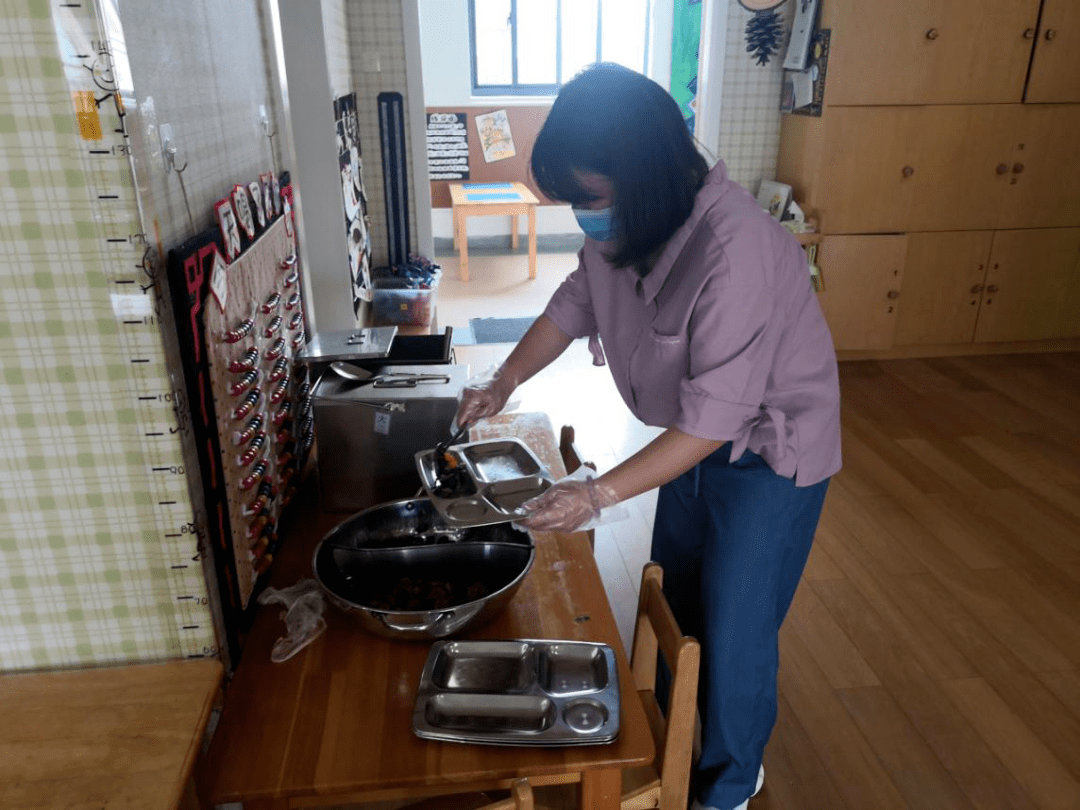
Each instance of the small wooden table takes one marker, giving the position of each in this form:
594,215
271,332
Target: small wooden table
490,199
333,725
107,737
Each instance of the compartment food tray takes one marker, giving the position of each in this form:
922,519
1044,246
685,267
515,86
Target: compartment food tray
495,478
519,692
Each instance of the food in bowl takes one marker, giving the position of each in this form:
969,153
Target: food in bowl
403,573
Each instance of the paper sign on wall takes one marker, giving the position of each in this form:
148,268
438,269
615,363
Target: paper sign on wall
447,146
495,137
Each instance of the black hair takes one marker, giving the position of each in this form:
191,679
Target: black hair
612,121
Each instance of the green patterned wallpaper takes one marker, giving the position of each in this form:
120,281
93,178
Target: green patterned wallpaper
96,554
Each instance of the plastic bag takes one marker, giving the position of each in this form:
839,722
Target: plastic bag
482,383
303,617
612,513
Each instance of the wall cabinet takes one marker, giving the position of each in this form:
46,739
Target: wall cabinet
929,51
1055,65
955,287
944,172
940,168
1043,190
1031,286
863,278
944,278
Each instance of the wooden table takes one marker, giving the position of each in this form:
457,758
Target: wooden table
334,724
123,737
491,199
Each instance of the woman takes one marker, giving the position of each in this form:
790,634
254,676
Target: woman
703,307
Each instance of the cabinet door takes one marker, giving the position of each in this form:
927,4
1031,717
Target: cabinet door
1044,178
928,51
1030,278
862,288
943,284
1055,68
866,170
962,166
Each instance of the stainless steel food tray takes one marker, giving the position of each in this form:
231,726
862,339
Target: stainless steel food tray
519,692
498,476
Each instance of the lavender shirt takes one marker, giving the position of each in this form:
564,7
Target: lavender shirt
724,339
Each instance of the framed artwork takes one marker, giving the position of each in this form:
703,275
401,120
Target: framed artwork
257,198
267,195
286,212
243,211
275,192
230,230
774,197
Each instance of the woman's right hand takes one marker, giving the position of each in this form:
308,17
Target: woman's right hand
484,399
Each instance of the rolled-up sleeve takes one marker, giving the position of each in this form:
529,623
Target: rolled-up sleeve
570,308
732,338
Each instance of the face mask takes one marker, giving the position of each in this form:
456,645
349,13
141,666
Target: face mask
597,224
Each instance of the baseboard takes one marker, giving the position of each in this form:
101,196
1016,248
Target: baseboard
545,243
960,349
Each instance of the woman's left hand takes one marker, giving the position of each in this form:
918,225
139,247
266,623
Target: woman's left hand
567,506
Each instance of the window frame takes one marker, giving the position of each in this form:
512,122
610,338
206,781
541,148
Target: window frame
517,89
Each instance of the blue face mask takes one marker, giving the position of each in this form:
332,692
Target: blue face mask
597,224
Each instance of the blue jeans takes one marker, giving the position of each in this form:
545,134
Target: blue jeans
733,538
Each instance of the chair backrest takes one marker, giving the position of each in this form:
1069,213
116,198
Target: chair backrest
571,459
656,631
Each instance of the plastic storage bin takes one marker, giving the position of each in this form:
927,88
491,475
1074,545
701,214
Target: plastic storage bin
394,304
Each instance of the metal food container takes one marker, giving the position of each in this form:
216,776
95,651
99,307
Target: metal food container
487,483
519,692
372,348
402,572
368,433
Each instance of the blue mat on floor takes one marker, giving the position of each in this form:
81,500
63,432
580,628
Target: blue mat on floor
500,330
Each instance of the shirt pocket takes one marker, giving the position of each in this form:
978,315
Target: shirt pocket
658,366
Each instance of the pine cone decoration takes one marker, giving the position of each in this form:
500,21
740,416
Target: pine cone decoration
763,32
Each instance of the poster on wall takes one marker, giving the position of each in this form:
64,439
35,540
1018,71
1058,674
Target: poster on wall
685,42
495,137
803,91
448,146
354,199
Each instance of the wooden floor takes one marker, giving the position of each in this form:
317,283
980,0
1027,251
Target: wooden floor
931,658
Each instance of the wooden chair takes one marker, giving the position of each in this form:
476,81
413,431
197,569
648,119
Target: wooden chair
666,783
571,459
520,798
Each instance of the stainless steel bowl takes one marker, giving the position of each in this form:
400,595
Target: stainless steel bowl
362,562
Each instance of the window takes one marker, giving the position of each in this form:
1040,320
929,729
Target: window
532,47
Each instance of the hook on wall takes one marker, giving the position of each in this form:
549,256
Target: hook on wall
169,150
264,119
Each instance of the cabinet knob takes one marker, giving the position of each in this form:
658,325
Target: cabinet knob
908,171
933,34
978,288
1003,168
1018,168
892,294
1029,33
1050,33
992,288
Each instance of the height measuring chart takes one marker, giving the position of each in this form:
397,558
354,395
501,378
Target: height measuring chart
136,297
107,533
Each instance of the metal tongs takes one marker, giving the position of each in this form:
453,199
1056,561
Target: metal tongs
445,475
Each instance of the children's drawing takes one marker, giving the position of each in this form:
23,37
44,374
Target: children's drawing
495,137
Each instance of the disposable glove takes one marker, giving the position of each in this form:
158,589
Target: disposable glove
484,398
568,505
